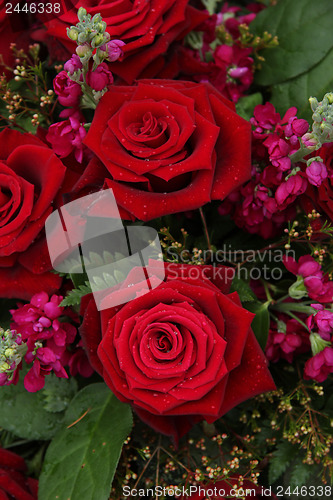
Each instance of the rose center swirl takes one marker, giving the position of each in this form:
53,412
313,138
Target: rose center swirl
164,341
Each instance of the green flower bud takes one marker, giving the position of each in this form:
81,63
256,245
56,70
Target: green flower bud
72,34
297,290
81,14
83,50
4,367
313,103
97,40
318,344
83,37
100,27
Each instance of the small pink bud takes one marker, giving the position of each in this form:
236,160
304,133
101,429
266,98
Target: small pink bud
316,173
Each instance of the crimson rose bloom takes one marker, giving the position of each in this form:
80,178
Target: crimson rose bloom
167,146
12,479
30,178
147,27
182,352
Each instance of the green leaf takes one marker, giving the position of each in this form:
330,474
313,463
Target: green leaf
243,289
24,413
246,105
58,393
296,92
300,474
260,323
305,35
82,458
74,296
280,460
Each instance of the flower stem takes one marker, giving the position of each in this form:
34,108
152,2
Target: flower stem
204,223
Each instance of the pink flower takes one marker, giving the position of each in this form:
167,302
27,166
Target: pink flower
278,150
265,117
69,92
100,78
237,70
73,64
44,337
286,345
288,191
324,321
309,141
317,285
113,49
296,126
316,173
319,366
67,136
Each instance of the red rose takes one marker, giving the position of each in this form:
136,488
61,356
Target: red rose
147,27
12,479
182,352
230,488
168,146
30,178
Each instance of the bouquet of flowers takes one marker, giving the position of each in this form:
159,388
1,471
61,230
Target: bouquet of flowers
166,255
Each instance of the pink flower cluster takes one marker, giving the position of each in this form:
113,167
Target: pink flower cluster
321,364
231,71
40,327
267,201
289,337
314,282
67,136
293,340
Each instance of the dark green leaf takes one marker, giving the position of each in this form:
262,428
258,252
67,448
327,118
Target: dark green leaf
304,31
280,460
260,323
296,92
74,296
243,289
82,458
24,414
58,393
246,105
300,474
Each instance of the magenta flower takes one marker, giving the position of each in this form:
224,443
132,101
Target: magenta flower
288,191
113,49
73,64
69,92
44,337
67,137
285,345
316,173
319,366
265,117
296,126
100,78
316,284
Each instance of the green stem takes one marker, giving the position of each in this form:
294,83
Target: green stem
300,154
268,294
291,306
289,313
204,223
